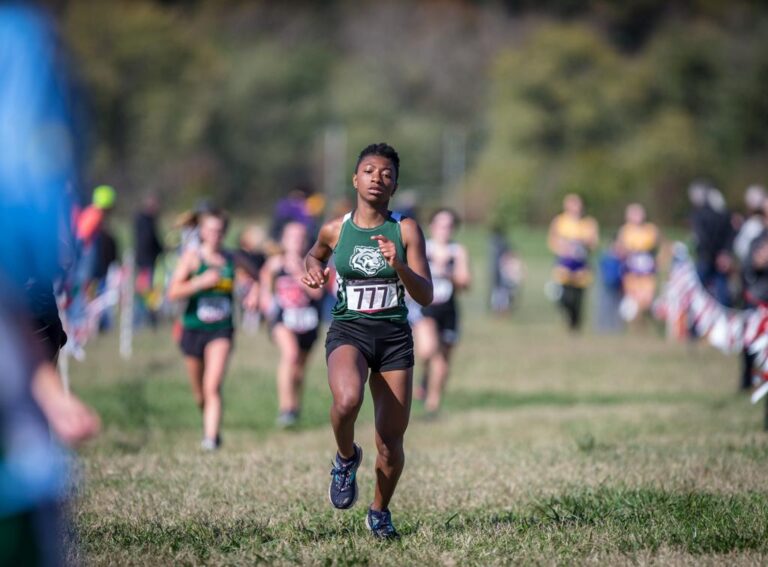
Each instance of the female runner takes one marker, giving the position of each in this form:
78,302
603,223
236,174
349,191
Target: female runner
572,238
437,330
293,312
638,241
378,256
205,278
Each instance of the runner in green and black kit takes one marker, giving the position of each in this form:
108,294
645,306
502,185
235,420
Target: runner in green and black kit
205,278
378,257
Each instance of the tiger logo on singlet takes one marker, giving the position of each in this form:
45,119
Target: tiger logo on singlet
368,287
367,259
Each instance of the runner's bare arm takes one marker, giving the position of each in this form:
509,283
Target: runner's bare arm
266,282
318,256
462,277
182,285
414,272
553,239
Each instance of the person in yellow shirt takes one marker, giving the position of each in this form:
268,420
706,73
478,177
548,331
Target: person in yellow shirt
638,240
572,237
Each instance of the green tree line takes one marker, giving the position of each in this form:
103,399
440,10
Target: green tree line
617,101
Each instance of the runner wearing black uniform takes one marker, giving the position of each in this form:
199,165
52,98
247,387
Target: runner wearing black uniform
293,312
378,256
437,330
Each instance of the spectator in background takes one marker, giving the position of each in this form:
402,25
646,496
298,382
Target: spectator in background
755,271
506,271
149,247
89,230
754,199
91,219
753,228
407,204
38,166
107,256
572,237
610,293
292,208
90,233
713,239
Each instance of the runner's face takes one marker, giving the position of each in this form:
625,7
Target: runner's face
294,238
635,214
441,227
212,231
375,180
573,206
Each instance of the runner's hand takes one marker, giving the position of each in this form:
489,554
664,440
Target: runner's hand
208,279
387,248
251,300
316,277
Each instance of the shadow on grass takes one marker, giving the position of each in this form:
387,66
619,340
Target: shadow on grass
205,536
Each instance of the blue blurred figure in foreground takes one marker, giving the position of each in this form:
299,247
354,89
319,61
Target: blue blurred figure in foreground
38,171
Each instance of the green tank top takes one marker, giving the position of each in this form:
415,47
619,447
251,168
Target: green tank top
368,286
211,309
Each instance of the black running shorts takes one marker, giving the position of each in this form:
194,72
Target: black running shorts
305,340
447,320
193,342
386,345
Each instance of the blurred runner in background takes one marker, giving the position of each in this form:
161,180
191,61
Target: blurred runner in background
436,332
572,237
205,278
149,247
252,245
293,312
637,243
506,271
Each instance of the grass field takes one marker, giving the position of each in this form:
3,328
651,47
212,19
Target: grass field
550,449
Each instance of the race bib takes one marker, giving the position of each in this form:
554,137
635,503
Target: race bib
641,263
370,296
214,309
442,290
301,319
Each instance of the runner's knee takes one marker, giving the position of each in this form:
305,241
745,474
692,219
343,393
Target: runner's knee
347,402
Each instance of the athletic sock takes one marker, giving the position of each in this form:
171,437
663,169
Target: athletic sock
343,461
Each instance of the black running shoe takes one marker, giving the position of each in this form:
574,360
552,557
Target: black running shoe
343,489
380,524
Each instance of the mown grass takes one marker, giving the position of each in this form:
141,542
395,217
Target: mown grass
550,449
573,525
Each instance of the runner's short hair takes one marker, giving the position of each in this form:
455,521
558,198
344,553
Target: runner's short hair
381,149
